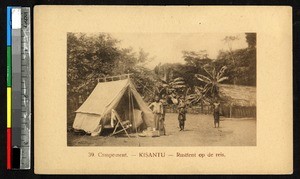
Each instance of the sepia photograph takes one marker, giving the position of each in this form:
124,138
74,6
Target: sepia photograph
161,89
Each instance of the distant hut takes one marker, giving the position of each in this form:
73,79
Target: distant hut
238,101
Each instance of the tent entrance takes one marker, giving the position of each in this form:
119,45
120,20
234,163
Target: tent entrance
129,110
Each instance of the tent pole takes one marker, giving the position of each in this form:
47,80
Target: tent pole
129,106
132,106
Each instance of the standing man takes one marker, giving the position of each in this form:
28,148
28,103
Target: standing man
216,113
181,114
157,109
162,121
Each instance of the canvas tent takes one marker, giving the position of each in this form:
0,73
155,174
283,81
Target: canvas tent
119,95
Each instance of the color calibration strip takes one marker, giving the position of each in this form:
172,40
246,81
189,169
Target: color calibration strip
9,96
18,88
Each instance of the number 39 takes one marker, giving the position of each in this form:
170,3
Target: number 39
91,154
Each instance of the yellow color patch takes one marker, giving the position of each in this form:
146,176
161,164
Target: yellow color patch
9,107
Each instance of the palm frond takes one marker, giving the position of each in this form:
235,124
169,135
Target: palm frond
208,72
222,79
214,73
203,78
179,86
178,83
198,89
206,87
179,79
221,72
187,91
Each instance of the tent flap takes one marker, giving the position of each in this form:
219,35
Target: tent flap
86,122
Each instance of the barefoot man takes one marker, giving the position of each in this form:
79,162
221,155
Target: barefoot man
216,113
157,109
181,114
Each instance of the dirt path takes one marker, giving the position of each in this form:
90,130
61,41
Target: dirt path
199,131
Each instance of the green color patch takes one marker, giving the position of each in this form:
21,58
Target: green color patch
9,67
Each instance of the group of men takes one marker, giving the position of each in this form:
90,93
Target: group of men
158,110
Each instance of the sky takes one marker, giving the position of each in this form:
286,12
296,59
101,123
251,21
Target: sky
168,47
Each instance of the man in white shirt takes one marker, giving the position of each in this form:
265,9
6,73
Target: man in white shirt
157,109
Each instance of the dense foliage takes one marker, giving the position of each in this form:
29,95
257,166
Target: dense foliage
93,56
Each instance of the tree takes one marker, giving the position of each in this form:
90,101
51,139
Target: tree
212,80
229,40
170,84
164,71
89,57
183,75
196,59
251,40
241,70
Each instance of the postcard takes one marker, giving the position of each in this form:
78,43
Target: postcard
163,90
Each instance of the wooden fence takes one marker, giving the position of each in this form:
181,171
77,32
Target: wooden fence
226,110
205,109
239,111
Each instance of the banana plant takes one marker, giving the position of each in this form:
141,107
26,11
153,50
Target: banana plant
212,81
195,97
172,89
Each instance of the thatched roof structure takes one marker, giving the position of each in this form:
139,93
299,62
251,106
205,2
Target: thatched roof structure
238,95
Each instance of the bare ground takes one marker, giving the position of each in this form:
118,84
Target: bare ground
199,131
